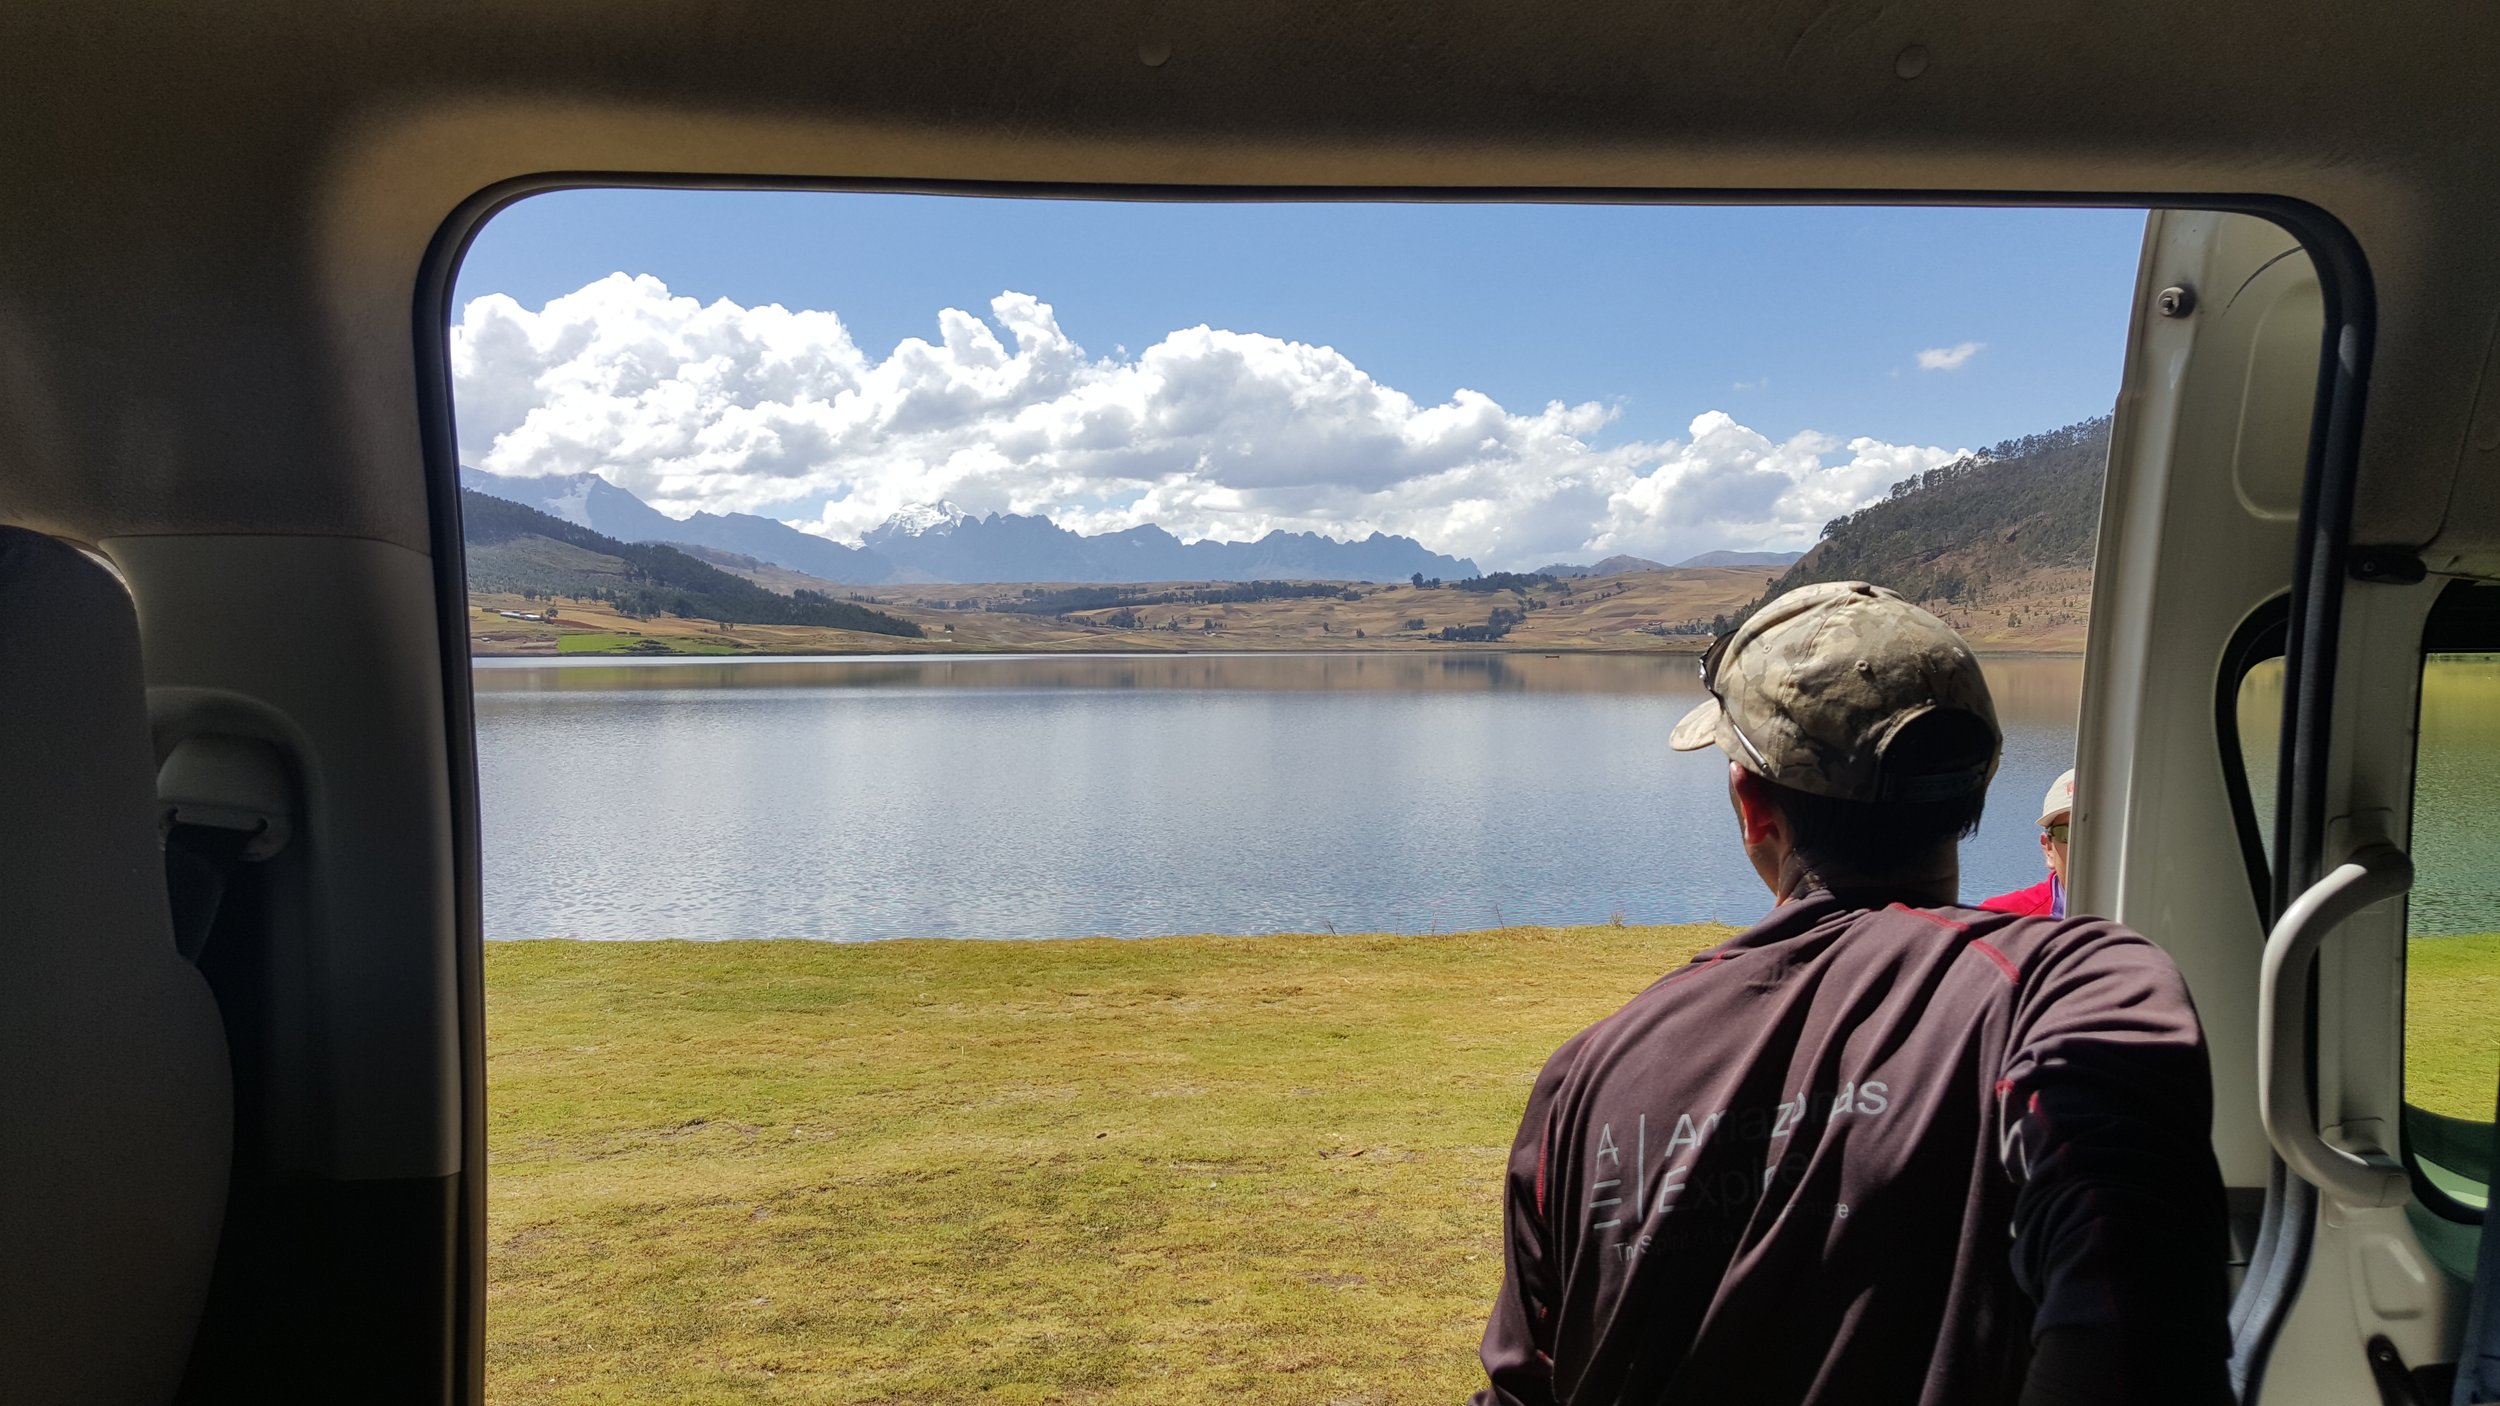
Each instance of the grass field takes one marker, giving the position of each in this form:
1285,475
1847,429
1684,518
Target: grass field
2452,1024
1175,1170
589,642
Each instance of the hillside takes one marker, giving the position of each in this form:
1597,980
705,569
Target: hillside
520,551
780,580
587,500
2000,543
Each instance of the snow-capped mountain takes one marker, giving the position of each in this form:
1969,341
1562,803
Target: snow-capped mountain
923,518
946,544
942,542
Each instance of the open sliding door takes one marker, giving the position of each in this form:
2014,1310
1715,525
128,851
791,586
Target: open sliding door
2248,733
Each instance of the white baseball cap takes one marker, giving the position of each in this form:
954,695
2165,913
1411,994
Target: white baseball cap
2061,797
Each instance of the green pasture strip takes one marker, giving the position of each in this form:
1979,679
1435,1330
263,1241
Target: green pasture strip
2452,1024
588,642
1181,1169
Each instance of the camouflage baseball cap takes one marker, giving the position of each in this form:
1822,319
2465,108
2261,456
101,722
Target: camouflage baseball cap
1812,690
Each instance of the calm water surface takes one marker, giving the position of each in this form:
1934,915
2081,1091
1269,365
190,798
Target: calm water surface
2456,859
1057,796
2455,848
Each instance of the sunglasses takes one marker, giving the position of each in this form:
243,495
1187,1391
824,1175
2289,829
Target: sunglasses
2057,832
1710,684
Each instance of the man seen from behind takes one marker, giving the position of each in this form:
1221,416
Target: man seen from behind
1880,1148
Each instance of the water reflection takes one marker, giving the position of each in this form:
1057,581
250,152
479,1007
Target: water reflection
1406,673
2456,776
1046,796
2032,689
2456,886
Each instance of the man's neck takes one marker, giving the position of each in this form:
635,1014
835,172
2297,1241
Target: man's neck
1935,883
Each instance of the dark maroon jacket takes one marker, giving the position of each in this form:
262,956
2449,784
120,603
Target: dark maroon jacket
1866,1154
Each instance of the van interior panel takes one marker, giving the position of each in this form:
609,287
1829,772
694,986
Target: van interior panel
227,242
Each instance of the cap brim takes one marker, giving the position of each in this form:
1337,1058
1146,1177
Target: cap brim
1699,729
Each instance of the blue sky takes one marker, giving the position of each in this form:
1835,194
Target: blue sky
1789,320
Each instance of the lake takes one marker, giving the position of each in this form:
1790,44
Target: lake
1060,796
2456,861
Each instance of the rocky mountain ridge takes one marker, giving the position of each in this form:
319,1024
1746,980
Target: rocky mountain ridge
943,543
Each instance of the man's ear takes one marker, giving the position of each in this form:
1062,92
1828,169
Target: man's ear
1757,815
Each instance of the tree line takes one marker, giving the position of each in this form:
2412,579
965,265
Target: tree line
1505,581
1070,600
1952,533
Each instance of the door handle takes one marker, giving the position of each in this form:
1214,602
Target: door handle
2374,873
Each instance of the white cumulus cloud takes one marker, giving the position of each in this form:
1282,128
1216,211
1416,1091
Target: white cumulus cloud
1208,432
1952,358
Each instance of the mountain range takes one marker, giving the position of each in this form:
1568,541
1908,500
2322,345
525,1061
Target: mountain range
1625,565
942,543
1611,566
1743,559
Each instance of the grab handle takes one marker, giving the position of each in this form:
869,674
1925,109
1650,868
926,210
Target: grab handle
2375,872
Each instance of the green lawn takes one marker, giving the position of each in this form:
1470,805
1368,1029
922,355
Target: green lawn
2452,1024
1180,1170
587,642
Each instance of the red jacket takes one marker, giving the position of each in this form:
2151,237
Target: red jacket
2036,901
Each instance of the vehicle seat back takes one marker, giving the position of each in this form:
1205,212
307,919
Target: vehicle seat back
116,1107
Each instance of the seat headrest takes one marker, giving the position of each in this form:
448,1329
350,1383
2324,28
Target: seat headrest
115,1102
81,776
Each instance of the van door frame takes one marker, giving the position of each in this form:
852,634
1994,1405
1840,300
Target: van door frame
2330,481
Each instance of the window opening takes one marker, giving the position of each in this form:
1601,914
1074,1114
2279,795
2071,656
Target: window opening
819,614
2452,917
2250,723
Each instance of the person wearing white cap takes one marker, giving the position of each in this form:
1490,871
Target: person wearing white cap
2046,898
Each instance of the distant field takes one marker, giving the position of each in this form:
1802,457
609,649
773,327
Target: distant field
2045,613
602,642
592,627
1174,1170
1610,613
